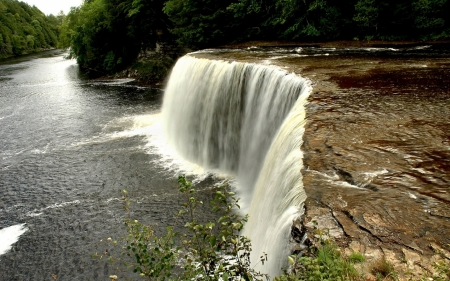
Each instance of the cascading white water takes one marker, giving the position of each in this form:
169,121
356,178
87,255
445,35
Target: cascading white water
246,120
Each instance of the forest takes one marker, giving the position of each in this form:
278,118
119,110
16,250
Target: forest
108,34
25,29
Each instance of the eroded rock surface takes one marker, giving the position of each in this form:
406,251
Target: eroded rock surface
377,147
377,157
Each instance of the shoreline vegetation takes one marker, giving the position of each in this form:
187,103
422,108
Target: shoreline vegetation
26,30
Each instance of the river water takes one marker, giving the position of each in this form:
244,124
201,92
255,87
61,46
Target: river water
376,150
68,146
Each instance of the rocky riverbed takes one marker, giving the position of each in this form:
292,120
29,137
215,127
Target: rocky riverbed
377,158
376,145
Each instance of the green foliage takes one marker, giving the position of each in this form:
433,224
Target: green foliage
318,19
25,29
356,257
154,69
201,23
155,257
430,18
367,14
206,251
325,263
107,35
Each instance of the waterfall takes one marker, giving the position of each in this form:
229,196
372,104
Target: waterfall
245,120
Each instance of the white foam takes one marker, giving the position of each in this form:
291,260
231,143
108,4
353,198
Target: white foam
115,81
9,236
148,126
39,212
370,176
420,47
168,158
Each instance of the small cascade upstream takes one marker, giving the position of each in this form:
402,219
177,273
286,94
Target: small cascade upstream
245,120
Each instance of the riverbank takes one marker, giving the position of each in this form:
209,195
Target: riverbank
372,171
152,67
32,52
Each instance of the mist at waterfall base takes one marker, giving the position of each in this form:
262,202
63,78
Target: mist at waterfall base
245,120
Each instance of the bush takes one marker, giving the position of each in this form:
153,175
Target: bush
324,262
205,251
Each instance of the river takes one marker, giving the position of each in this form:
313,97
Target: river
68,147
375,152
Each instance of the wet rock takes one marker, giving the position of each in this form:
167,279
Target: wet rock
325,226
376,154
349,227
298,231
437,249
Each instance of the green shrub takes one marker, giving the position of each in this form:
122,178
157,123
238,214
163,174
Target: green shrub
325,262
205,251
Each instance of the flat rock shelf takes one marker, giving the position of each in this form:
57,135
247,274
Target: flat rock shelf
376,147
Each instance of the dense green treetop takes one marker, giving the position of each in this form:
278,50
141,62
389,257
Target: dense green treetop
107,35
25,29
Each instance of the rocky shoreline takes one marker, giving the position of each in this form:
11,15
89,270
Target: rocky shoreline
350,165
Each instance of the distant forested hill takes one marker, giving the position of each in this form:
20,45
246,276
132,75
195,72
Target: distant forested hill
25,29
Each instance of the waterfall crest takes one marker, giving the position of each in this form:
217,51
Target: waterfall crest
245,120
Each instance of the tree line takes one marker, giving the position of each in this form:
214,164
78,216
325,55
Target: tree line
25,29
107,35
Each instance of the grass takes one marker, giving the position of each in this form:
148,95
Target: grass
356,257
383,270
325,262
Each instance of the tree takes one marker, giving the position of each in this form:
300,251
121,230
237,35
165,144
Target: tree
201,23
25,29
107,35
309,19
366,15
429,18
